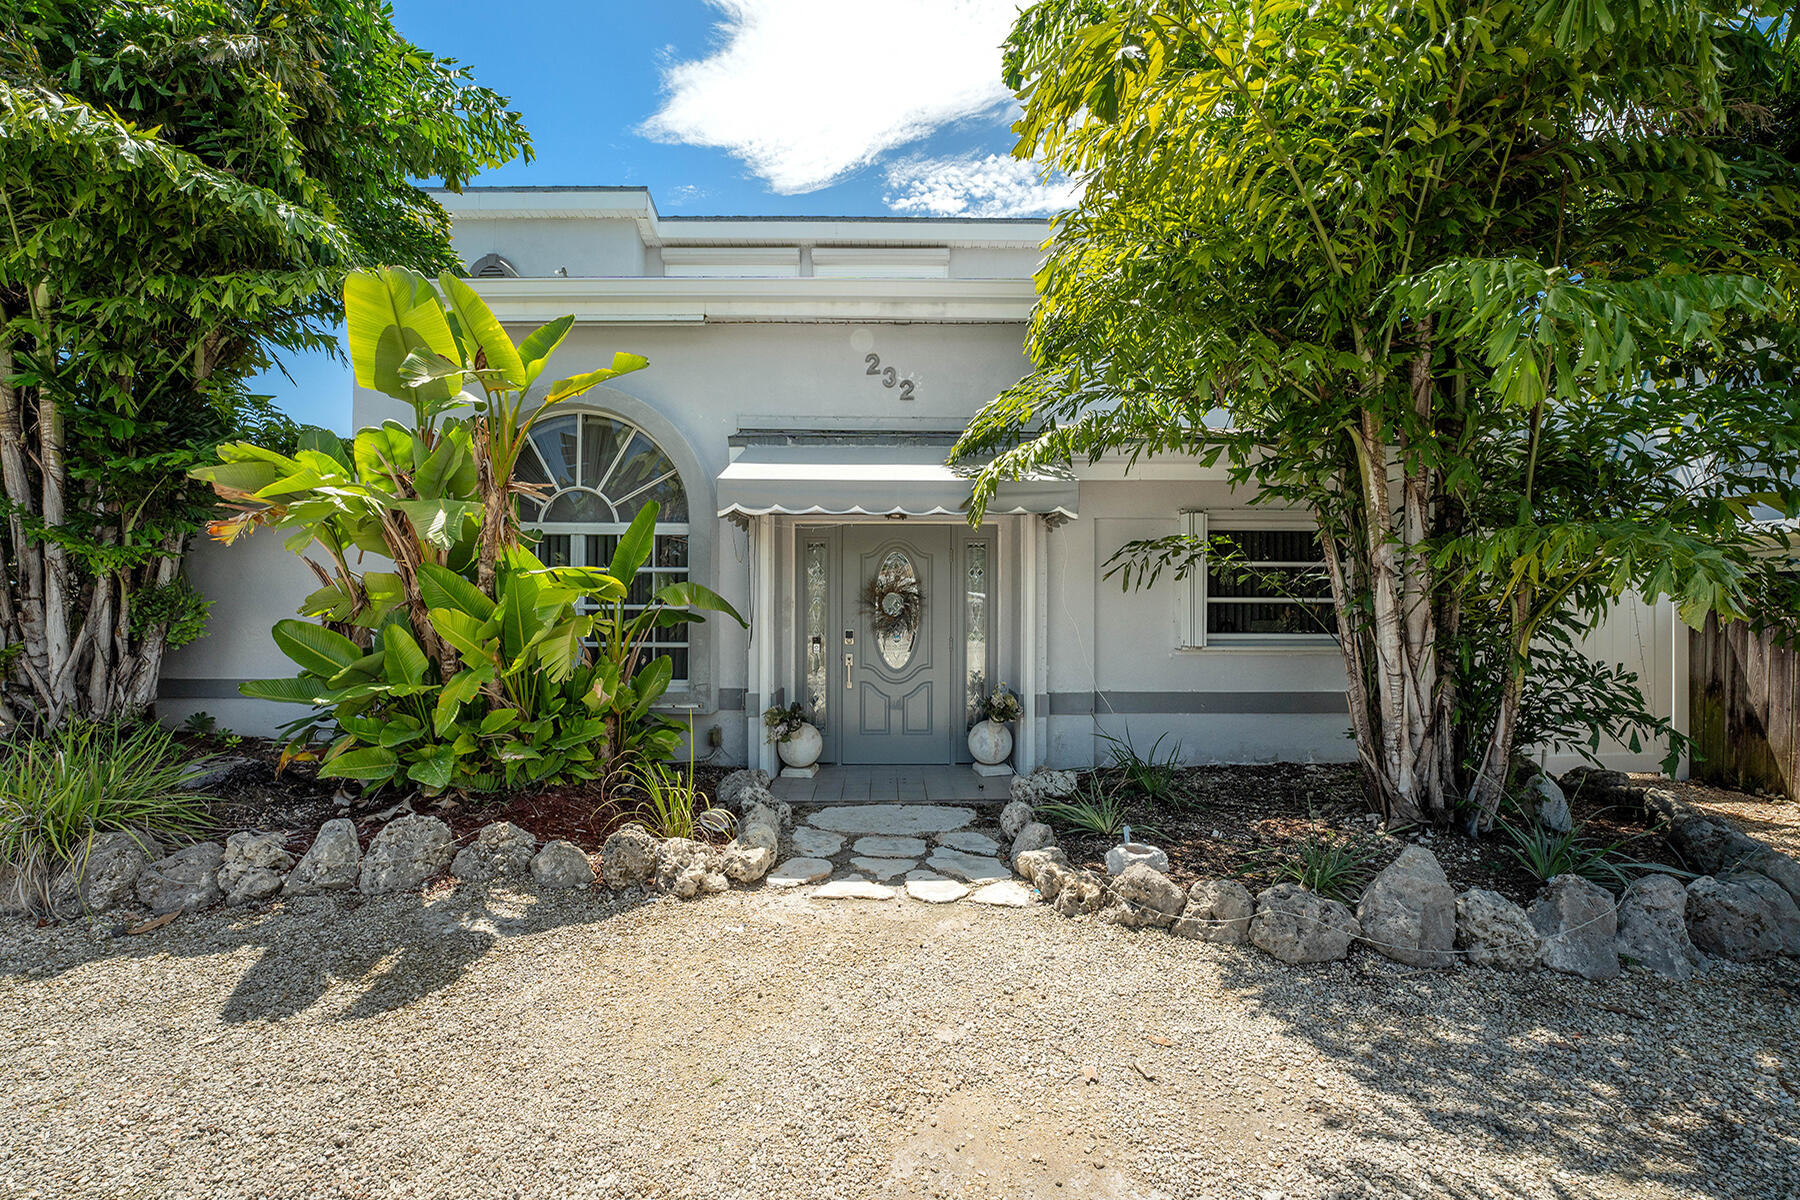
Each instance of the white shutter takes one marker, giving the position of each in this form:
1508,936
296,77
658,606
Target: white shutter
1193,625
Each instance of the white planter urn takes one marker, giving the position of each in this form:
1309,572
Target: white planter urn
802,747
991,743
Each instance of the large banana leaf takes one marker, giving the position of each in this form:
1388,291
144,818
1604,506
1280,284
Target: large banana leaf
380,453
480,325
307,689
406,661
698,597
372,764
635,545
470,636
444,588
558,649
317,649
540,344
586,581
439,522
433,769
238,479
389,314
567,389
650,684
463,687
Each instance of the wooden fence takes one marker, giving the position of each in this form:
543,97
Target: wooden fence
1744,708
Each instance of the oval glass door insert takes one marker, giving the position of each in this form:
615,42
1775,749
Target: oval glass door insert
898,608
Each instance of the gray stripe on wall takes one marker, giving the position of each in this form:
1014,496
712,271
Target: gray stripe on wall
200,689
1059,704
729,699
1082,704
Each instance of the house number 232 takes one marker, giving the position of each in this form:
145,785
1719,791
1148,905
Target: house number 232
888,376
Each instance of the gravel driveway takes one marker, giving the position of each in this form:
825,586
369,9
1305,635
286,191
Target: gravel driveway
760,1044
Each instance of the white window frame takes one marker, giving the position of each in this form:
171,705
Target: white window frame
1198,524
577,532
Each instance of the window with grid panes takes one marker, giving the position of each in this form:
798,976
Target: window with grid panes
593,473
1259,583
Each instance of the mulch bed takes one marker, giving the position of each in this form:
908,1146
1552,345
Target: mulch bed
297,802
1239,821
1236,821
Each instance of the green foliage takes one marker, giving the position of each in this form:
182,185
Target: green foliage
200,723
1571,703
1336,867
465,664
673,807
783,723
1544,854
1409,269
176,608
1094,809
182,186
1002,705
59,789
1154,776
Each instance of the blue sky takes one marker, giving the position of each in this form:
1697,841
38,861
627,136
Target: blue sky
839,107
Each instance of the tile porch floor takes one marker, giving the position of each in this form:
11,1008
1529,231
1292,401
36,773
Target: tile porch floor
894,785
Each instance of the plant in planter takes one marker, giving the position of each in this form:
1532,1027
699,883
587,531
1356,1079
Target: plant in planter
796,739
990,741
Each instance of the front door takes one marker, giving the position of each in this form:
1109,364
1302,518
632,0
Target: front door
899,669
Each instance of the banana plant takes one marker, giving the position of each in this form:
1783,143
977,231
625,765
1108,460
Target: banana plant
627,679
461,662
438,493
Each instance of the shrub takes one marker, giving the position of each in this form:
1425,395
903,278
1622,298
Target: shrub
1094,809
1544,854
1155,776
674,808
1338,868
86,778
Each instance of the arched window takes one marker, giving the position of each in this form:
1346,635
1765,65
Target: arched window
594,473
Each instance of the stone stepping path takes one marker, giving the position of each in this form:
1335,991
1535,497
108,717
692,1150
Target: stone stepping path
922,852
902,819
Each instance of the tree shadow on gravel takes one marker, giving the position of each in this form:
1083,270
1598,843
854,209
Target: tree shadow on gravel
397,949
1615,1083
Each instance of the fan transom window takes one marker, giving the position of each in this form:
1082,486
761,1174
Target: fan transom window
594,474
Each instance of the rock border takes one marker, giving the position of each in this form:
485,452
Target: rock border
127,870
1746,908
1744,911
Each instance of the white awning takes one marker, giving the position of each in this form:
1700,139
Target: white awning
872,480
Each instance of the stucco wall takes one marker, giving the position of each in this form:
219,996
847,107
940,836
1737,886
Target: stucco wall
540,247
252,585
1112,660
1117,666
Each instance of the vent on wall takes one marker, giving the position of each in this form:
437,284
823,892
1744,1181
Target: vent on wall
492,266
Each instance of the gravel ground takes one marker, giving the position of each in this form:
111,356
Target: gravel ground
511,1044
1772,819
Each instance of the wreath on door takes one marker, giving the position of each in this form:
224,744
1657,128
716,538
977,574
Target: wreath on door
895,604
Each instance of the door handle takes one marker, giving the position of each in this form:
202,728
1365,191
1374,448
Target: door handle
849,671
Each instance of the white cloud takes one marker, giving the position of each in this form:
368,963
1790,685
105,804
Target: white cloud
996,185
806,91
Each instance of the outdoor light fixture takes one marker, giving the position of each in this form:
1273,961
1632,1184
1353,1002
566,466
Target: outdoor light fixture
896,516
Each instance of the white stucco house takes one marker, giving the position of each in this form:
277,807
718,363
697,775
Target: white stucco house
806,378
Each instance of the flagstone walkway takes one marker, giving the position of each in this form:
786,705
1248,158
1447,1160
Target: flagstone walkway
932,853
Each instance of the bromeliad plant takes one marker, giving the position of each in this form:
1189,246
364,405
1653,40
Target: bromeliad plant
465,664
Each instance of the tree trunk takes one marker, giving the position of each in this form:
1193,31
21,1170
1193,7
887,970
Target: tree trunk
1488,787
